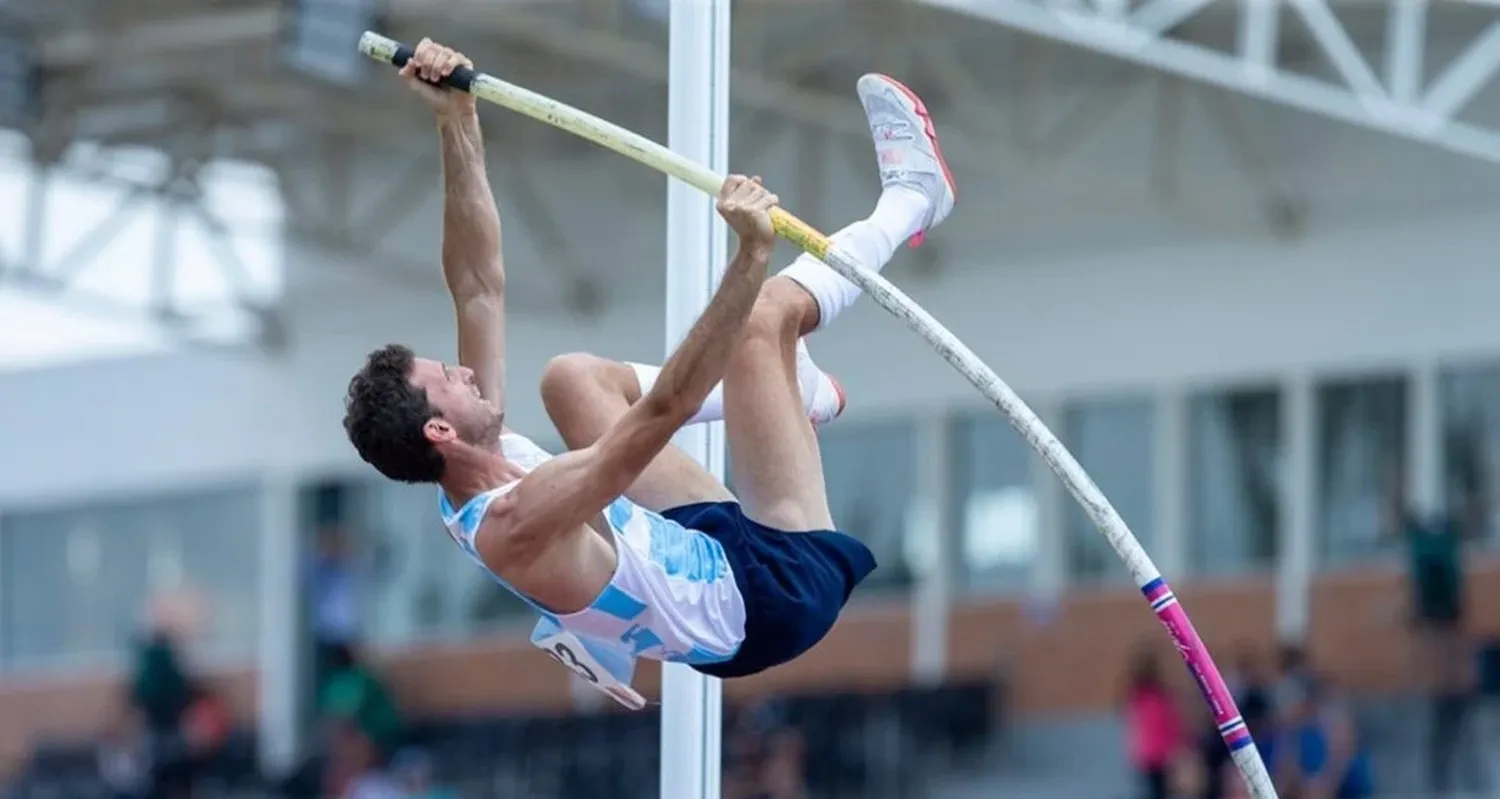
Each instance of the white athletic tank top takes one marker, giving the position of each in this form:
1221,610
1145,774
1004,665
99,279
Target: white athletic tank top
673,596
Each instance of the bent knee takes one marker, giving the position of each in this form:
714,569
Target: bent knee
567,376
781,312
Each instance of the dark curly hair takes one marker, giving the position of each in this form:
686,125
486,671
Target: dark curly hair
384,415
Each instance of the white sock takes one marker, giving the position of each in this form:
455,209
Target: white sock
819,397
713,407
897,217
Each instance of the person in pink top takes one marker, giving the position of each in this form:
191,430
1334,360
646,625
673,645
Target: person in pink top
1153,726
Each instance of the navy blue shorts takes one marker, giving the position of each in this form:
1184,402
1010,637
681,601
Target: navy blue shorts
794,584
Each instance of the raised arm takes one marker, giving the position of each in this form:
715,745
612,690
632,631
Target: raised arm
571,490
472,264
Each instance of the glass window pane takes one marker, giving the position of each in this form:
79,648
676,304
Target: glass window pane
75,587
870,469
220,559
1471,444
1361,449
412,581
1114,440
1234,480
77,582
994,504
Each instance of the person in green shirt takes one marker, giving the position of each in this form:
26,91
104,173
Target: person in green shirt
353,693
1434,548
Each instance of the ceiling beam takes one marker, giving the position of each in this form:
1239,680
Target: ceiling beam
208,30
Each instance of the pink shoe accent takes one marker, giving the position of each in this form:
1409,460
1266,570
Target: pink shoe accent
930,131
838,390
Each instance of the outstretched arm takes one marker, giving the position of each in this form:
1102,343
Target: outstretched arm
472,265
571,490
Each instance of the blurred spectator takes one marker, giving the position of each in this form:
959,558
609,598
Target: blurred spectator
352,693
356,766
414,774
1442,655
766,759
1317,752
161,692
1251,687
333,597
159,686
122,757
1291,666
206,726
783,774
1153,726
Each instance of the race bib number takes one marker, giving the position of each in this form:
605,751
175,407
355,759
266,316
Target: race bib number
567,650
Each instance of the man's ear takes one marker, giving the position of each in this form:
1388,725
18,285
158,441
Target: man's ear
439,431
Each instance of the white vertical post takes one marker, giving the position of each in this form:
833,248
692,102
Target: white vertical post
1424,442
1174,550
280,625
932,597
1299,510
5,656
697,249
1049,575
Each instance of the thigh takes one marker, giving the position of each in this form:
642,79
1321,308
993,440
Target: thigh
773,449
675,479
585,396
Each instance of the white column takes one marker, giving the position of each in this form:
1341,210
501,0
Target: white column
697,249
4,611
1169,484
932,598
1049,575
280,625
1424,441
1299,509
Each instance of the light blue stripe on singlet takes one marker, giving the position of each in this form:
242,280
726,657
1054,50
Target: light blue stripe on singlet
702,656
470,516
619,663
617,603
684,554
641,639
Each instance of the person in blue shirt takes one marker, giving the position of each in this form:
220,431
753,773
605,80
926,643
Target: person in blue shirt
1316,751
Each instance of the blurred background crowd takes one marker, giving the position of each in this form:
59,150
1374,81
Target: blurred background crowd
1237,253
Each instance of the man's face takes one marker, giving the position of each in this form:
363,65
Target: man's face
453,391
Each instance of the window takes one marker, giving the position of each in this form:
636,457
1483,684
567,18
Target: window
79,582
1470,400
410,580
870,469
219,537
206,266
1114,440
1361,451
1234,480
994,504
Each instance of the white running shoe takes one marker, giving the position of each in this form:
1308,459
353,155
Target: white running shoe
906,146
822,395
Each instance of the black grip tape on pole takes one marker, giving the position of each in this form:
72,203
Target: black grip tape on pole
461,78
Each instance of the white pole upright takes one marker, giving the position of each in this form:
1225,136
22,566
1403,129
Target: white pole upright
279,729
697,249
